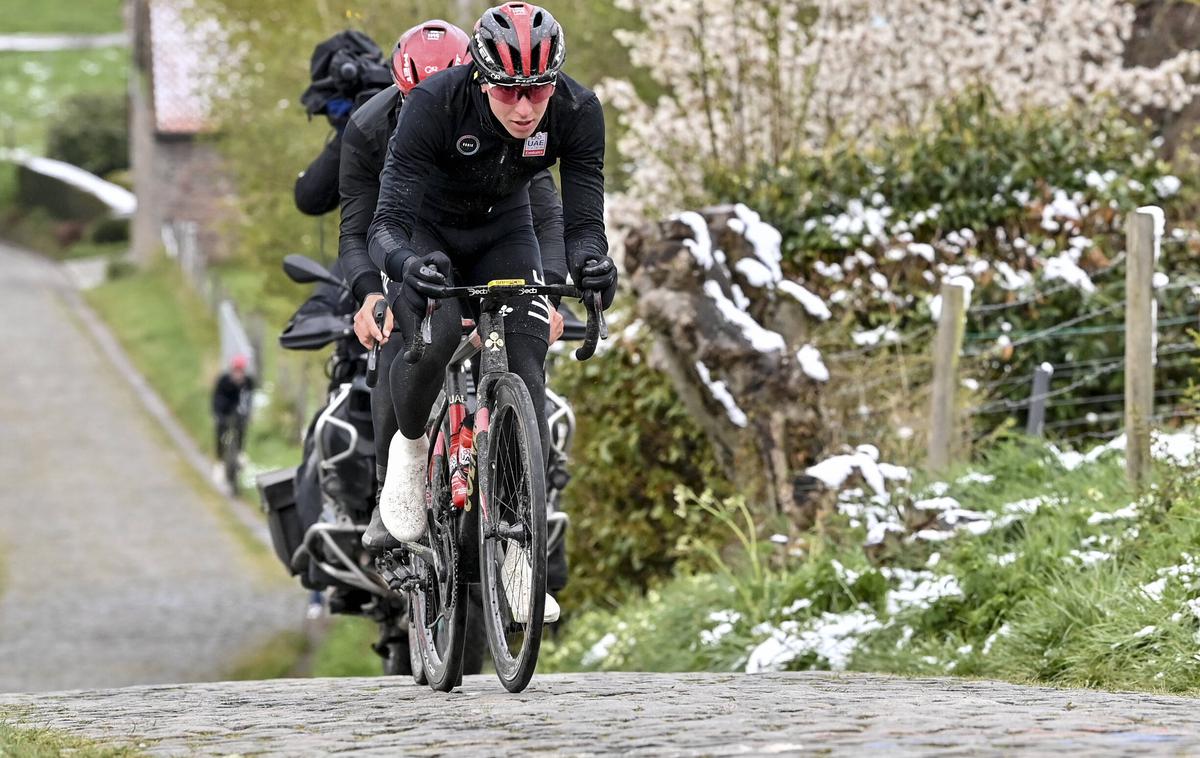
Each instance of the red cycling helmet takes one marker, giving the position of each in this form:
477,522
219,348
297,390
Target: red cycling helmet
426,49
518,44
239,362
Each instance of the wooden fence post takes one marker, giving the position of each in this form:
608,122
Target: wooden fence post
1141,244
1037,400
947,347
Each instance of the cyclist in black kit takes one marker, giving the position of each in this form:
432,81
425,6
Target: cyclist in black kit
454,207
422,50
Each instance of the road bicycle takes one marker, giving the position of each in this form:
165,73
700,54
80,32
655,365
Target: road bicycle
498,537
232,427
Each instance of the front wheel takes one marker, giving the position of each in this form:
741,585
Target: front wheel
512,533
438,604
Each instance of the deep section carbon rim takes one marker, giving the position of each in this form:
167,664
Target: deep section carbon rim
513,536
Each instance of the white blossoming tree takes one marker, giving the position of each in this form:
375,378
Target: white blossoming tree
751,82
749,87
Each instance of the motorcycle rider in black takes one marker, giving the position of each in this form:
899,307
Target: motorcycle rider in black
454,207
347,71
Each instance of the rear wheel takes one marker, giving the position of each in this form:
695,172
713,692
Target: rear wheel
512,535
439,604
230,458
416,664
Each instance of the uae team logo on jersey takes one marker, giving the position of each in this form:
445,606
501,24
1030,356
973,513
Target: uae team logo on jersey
535,146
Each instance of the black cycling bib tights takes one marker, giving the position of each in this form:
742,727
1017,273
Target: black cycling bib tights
455,181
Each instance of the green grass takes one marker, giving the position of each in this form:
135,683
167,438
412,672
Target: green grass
24,742
274,660
346,649
1038,611
171,338
34,85
60,16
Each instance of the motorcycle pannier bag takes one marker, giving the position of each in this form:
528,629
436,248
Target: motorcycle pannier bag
277,491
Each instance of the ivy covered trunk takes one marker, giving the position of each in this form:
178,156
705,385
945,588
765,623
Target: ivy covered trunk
731,333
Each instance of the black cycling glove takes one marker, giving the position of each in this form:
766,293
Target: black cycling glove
424,277
597,273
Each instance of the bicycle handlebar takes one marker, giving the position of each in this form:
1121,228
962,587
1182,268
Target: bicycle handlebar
380,315
597,327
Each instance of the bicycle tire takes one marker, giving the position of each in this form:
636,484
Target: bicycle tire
416,662
438,606
516,490
230,460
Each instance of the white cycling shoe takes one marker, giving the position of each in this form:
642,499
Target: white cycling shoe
516,574
402,500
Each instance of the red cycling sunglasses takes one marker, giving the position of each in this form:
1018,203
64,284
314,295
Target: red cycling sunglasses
511,94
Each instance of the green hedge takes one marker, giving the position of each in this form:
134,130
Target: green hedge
91,131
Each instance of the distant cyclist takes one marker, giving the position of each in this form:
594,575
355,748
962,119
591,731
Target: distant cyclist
454,206
231,403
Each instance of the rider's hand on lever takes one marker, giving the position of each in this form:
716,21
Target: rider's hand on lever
365,328
424,277
598,273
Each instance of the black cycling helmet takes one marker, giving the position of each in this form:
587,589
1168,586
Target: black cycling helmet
518,44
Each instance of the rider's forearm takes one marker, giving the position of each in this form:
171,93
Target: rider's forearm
548,226
401,186
583,188
361,273
316,191
359,184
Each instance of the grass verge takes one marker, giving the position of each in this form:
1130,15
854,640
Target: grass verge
33,86
346,649
274,660
1065,578
172,340
170,336
60,17
24,742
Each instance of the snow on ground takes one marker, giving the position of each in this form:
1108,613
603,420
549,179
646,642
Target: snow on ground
815,306
764,238
600,650
831,637
725,621
1064,268
722,395
763,340
835,471
812,364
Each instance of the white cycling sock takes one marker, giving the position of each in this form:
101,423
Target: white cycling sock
402,500
516,574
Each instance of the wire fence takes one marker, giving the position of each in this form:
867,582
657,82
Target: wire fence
1138,343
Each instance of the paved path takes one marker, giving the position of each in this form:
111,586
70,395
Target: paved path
45,43
114,568
702,714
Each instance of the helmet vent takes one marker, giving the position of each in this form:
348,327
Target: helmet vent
500,19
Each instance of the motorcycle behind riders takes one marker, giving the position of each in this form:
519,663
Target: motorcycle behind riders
318,510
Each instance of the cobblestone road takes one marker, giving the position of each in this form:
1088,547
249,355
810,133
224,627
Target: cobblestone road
703,714
114,569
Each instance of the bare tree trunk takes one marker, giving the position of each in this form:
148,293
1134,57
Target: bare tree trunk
730,348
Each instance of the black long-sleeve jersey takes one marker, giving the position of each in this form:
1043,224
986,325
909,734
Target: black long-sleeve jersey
317,186
364,149
449,161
